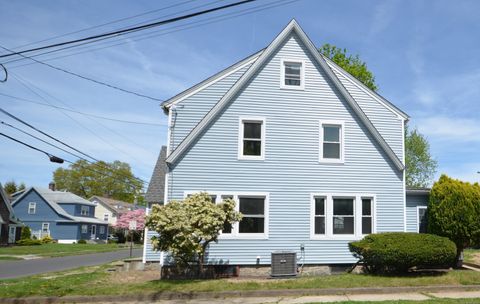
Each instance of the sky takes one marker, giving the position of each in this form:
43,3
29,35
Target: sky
424,55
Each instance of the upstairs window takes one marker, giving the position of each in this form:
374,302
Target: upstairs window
32,208
105,217
252,138
292,74
331,141
84,210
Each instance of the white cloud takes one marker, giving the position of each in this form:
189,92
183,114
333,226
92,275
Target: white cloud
443,128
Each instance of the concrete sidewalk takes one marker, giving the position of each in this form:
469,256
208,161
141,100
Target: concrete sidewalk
284,296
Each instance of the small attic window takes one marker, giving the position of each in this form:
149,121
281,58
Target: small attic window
292,74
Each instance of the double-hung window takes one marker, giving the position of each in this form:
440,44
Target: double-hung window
331,141
84,210
319,217
253,210
84,228
32,208
342,215
292,74
105,217
367,219
252,138
422,219
45,228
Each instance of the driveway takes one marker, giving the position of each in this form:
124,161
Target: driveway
16,269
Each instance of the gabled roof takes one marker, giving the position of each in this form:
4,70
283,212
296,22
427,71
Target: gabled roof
56,198
6,200
114,205
156,187
207,82
292,27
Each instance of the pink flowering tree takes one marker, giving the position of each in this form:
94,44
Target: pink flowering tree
124,220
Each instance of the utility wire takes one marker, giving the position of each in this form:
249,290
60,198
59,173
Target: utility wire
101,39
57,159
22,82
69,152
131,29
87,78
107,23
163,32
83,113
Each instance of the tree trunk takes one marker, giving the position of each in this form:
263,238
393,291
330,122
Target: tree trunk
459,258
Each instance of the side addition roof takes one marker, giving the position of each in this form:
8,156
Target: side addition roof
224,101
156,187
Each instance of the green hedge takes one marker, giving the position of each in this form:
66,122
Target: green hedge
397,252
28,242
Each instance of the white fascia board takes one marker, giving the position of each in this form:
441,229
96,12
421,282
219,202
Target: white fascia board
211,80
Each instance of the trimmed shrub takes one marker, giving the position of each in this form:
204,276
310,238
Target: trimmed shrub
46,240
398,252
81,242
26,233
28,242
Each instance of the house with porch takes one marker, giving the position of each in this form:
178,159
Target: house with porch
312,157
62,215
10,226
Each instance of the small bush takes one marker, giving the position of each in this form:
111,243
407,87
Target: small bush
398,252
26,233
111,242
46,240
28,242
81,242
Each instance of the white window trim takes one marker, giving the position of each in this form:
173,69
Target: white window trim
301,87
34,205
107,216
48,227
84,231
241,121
357,211
340,123
102,229
418,213
235,227
86,209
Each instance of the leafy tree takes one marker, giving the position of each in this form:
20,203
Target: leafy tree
420,166
350,63
12,187
114,180
124,220
26,233
454,212
186,228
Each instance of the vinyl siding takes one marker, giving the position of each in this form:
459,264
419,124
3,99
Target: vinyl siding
413,201
191,110
291,171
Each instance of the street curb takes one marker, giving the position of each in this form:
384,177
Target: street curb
167,295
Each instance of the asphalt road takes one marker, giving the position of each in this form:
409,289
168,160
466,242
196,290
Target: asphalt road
17,269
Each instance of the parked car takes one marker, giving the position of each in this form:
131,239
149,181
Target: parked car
113,237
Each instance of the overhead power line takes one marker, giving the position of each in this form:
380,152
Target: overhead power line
157,33
107,23
57,159
83,113
88,78
130,29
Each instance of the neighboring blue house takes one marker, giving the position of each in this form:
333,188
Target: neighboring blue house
313,158
63,216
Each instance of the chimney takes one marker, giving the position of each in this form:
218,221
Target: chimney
51,186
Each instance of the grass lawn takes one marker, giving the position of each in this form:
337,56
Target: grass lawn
97,281
9,258
445,301
472,256
56,250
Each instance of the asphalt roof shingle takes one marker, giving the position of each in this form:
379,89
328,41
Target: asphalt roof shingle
156,187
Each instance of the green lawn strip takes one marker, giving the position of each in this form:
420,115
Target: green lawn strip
469,255
9,258
96,281
56,250
444,301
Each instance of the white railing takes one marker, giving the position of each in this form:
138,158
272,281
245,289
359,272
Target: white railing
40,233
